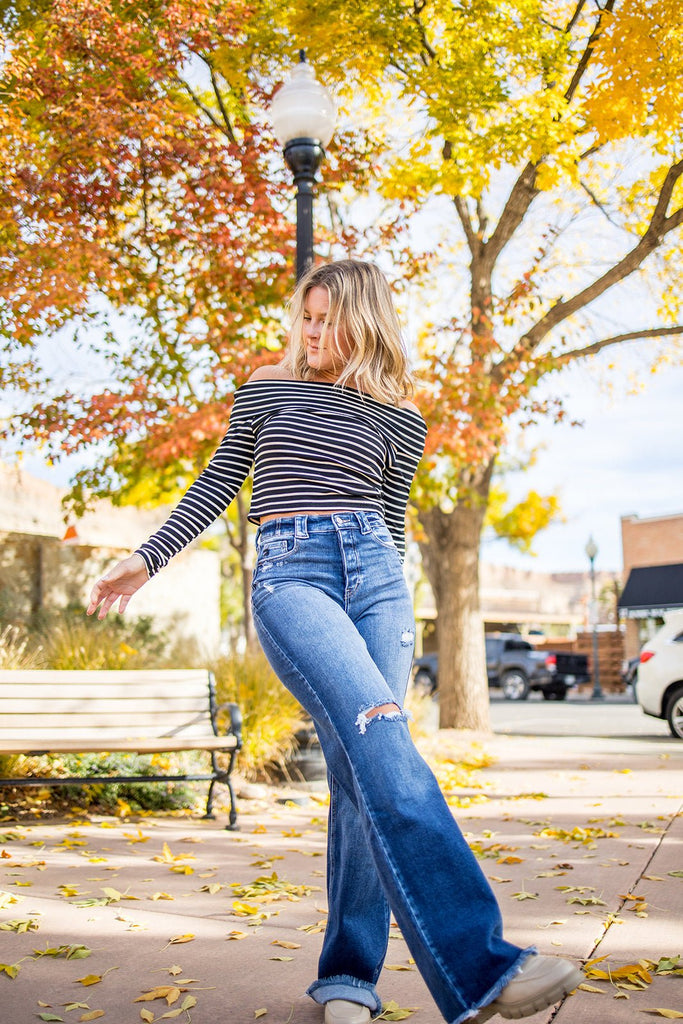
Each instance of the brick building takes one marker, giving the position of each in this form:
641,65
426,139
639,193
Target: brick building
653,574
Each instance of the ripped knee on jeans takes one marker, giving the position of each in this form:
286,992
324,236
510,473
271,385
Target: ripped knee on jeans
390,712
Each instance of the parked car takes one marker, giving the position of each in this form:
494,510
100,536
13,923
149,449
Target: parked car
629,674
660,674
515,665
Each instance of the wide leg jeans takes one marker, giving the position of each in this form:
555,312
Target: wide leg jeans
334,617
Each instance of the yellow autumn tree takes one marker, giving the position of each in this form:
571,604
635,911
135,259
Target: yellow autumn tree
537,145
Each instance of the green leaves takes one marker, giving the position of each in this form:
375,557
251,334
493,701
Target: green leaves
73,951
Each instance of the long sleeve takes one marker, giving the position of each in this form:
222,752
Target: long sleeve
208,497
406,449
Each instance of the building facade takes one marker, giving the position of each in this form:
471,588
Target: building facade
653,574
47,563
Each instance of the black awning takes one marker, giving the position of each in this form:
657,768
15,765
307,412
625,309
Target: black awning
652,591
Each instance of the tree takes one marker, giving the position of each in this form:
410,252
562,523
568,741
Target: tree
523,126
144,205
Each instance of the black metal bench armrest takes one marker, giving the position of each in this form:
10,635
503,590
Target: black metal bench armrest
235,720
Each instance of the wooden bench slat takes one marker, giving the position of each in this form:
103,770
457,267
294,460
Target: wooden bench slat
84,677
55,717
135,706
45,729
87,720
141,745
152,691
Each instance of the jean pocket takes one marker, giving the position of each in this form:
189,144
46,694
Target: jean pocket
275,551
381,533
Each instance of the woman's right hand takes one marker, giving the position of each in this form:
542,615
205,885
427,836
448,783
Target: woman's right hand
120,582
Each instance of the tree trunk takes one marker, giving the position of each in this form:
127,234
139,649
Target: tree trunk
451,560
239,539
245,551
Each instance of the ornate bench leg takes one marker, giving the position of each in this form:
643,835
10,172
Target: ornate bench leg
232,817
209,802
222,776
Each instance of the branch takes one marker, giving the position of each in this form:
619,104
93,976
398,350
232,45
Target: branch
659,226
221,104
206,110
588,52
482,218
522,195
466,221
575,16
418,7
617,339
594,199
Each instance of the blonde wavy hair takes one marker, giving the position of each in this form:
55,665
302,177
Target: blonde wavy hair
360,305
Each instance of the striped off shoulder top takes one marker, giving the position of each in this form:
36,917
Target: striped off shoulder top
315,447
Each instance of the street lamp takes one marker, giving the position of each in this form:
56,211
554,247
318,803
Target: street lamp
591,551
303,114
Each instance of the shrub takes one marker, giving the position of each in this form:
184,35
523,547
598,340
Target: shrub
271,715
153,796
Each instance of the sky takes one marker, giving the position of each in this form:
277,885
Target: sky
626,459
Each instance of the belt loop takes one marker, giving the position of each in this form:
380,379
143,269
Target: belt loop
300,527
362,518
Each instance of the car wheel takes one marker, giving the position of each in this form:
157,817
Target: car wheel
554,694
674,713
424,682
515,685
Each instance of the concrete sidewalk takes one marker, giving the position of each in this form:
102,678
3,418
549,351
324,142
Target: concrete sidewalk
582,840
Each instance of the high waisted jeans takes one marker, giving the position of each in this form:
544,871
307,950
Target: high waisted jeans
335,620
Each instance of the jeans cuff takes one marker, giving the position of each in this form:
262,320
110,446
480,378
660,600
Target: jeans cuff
496,989
343,986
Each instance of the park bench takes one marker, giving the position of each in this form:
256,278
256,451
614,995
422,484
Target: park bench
144,711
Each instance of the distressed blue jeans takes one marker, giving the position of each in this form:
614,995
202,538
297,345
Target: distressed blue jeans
335,620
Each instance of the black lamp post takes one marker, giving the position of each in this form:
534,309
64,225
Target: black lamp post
591,551
303,114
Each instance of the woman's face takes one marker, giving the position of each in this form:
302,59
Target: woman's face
326,356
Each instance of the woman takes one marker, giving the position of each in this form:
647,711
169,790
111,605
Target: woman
335,443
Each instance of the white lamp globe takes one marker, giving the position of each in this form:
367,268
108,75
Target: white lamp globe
302,108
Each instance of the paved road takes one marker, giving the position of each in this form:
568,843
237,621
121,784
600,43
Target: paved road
616,717
576,717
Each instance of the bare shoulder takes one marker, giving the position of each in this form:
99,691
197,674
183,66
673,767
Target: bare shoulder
274,371
406,404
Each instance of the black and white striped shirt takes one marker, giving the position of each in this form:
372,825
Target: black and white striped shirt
315,448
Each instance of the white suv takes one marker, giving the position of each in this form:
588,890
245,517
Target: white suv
660,674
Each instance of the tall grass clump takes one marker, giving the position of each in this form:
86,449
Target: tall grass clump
271,715
70,640
16,650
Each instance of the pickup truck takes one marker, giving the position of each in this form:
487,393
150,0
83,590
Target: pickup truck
515,665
